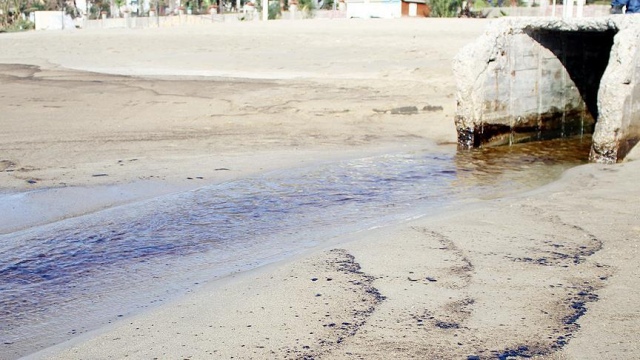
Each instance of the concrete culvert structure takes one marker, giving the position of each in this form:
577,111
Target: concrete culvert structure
529,79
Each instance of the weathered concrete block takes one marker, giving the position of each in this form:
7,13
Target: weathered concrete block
618,127
540,78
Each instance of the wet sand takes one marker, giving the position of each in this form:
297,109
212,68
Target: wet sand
550,273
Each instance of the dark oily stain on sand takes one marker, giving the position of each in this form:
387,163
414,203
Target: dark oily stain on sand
565,253
408,110
343,262
567,328
6,165
569,247
570,254
574,306
450,318
576,310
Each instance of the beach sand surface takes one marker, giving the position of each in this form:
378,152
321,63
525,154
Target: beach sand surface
96,118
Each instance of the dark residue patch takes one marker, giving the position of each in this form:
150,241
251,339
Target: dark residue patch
521,351
571,255
432,108
555,123
343,262
404,110
447,325
567,328
7,165
452,315
578,305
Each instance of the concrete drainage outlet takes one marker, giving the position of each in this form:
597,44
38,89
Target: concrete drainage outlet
529,79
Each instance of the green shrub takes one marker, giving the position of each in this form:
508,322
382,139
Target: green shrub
18,25
445,8
328,4
480,4
307,7
274,10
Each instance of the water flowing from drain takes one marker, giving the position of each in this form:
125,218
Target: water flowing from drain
120,260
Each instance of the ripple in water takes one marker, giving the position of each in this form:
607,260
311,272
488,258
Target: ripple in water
68,277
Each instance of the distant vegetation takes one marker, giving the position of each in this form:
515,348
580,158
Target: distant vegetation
13,14
305,7
445,8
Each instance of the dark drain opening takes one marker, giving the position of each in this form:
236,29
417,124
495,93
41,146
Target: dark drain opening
585,56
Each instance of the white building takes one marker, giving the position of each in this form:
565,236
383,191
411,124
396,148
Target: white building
374,9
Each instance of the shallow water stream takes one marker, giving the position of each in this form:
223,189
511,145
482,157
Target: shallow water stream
65,278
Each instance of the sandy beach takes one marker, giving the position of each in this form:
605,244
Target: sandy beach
92,119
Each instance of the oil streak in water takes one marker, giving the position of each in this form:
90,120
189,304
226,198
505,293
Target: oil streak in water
48,273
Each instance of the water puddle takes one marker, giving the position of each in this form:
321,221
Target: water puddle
69,277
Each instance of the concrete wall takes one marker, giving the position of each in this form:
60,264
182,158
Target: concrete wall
188,20
53,20
538,78
154,21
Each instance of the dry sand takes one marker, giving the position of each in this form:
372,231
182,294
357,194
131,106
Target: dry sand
550,273
308,91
